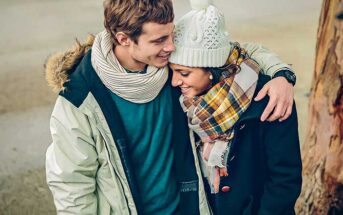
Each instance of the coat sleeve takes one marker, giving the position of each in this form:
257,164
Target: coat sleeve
269,61
283,159
71,161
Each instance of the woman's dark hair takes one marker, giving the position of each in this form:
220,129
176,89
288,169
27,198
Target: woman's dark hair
225,71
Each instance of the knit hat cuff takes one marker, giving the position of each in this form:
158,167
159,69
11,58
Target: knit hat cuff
200,57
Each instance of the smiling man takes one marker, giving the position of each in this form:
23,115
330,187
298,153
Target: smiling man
120,139
154,47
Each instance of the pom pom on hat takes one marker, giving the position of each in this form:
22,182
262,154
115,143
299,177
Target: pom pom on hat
200,4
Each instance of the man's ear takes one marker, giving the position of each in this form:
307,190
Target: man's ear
123,39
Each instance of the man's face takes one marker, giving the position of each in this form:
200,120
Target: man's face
154,45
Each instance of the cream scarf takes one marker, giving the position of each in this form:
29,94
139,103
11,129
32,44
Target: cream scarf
133,87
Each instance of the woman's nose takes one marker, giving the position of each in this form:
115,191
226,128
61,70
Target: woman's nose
176,81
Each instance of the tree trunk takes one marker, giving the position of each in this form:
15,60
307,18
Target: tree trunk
323,149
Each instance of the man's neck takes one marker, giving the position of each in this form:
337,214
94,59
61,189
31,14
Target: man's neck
126,60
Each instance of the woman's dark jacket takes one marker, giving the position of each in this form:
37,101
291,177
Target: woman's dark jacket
264,166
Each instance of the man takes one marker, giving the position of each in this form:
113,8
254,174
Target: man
120,138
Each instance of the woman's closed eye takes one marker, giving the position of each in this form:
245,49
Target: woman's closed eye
184,74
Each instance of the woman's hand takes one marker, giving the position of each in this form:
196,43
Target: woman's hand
219,172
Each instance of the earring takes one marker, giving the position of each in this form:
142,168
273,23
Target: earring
211,77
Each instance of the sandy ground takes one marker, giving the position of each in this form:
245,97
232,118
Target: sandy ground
33,29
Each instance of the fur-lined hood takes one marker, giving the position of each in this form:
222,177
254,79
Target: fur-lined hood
59,65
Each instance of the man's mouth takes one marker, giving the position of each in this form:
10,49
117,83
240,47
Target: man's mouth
164,56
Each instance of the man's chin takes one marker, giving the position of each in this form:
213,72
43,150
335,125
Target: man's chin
161,64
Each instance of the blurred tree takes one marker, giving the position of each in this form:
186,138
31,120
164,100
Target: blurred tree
323,149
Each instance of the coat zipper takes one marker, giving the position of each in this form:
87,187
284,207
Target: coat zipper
110,162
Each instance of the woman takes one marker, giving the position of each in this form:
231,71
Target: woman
251,167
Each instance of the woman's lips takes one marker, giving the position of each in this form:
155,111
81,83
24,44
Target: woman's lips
184,90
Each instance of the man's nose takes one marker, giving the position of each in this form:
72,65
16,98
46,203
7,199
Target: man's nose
169,47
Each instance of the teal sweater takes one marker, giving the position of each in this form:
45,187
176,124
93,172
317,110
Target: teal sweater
151,153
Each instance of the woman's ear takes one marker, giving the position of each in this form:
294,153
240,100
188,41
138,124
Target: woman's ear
122,39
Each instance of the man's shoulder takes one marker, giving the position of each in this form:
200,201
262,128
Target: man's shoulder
81,71
79,81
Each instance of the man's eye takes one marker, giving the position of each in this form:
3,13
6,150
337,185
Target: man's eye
184,74
159,41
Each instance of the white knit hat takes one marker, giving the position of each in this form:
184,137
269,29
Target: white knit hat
201,39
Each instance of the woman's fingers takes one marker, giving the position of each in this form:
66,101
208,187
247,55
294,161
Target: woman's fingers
223,172
216,180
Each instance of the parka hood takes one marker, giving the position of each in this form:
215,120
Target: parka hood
59,65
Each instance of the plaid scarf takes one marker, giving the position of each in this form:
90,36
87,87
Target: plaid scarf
213,115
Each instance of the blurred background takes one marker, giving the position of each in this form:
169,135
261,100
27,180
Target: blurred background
31,30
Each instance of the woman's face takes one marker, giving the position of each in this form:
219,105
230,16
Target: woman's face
193,81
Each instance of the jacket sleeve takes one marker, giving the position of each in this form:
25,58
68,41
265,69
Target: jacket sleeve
269,61
71,161
283,159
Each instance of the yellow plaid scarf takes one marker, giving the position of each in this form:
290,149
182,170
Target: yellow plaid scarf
213,115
